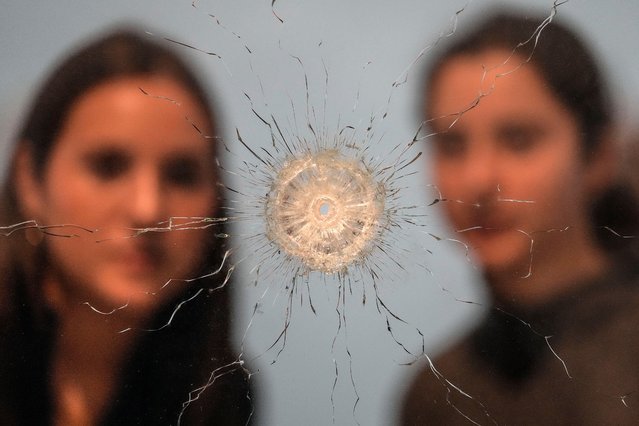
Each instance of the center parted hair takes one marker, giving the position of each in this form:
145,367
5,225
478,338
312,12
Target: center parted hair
561,58
123,53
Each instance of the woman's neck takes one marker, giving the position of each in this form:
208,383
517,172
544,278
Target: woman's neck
89,353
549,274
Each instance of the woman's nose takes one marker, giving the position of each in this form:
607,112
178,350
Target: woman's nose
147,200
481,175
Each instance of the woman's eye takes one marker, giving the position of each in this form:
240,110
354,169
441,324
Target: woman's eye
184,172
108,164
450,144
520,138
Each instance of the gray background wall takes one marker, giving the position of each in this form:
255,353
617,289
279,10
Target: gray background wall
345,35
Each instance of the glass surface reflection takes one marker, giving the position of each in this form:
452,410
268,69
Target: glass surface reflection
343,367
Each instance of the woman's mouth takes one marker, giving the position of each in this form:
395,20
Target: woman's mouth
143,257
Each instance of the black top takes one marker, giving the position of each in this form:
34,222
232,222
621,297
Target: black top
154,384
572,362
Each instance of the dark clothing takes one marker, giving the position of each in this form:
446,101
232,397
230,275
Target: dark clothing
156,381
572,362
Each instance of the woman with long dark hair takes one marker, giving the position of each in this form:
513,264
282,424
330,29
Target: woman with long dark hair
115,293
523,154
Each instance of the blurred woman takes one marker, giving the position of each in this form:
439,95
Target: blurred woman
103,319
524,156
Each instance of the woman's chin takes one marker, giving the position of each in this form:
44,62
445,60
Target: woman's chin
129,297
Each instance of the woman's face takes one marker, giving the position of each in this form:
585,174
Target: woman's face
128,158
511,167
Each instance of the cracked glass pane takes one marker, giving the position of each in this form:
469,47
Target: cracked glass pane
333,241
